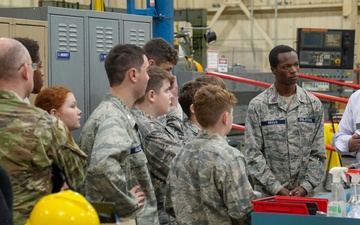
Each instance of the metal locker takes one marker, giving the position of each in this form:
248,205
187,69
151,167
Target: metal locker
67,57
137,30
103,36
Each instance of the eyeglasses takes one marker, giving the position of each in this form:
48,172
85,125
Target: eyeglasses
33,65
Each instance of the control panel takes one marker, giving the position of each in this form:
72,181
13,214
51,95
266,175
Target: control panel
325,48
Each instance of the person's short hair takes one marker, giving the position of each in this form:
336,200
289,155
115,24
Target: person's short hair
120,59
210,102
209,79
156,80
161,51
189,88
186,96
11,59
32,46
274,53
52,98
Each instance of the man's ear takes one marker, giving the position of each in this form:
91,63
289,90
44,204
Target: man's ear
152,62
131,73
192,108
151,96
272,69
224,117
24,72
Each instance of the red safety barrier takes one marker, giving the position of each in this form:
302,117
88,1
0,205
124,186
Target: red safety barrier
264,84
330,97
330,81
238,127
239,79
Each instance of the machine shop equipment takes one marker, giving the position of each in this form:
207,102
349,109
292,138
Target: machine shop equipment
327,53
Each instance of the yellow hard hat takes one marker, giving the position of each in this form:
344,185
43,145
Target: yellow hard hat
63,208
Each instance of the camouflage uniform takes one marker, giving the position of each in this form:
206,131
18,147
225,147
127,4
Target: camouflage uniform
160,146
284,146
208,184
191,130
31,141
173,120
185,129
117,161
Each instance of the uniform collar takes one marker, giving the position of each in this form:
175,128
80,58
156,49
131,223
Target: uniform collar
275,98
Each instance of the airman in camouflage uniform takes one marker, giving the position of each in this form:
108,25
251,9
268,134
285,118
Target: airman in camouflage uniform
160,143
110,135
31,140
161,54
208,181
284,136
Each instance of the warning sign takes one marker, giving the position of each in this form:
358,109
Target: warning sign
212,59
223,65
152,3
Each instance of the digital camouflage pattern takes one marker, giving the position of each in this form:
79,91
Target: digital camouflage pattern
191,130
117,162
284,146
160,146
208,183
173,120
31,141
184,129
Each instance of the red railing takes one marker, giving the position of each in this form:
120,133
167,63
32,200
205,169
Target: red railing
264,84
238,127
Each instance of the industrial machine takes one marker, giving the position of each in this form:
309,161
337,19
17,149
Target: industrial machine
327,53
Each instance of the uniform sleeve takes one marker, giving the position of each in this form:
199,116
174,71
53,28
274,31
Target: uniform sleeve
160,150
106,174
67,155
237,190
345,129
316,166
254,152
174,120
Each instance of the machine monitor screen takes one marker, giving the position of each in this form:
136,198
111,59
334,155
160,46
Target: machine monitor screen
312,39
325,48
332,40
